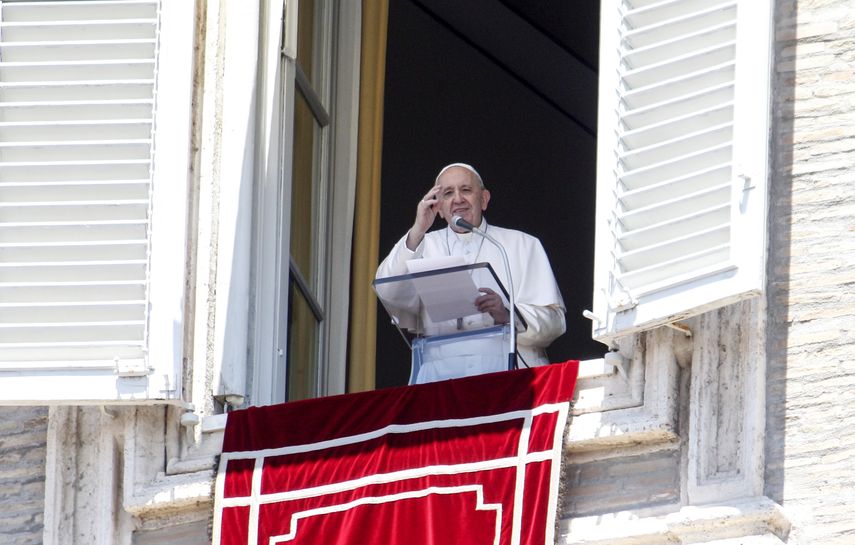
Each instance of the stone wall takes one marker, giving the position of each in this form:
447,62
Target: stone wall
810,447
622,483
23,438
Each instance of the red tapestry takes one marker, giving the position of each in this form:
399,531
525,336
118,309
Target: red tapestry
468,461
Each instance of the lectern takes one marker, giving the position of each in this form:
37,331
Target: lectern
435,313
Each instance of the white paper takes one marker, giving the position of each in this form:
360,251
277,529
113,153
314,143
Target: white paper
433,263
446,296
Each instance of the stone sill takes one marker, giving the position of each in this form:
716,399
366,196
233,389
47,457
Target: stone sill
168,494
748,521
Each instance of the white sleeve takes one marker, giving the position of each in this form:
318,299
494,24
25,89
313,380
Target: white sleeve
395,263
545,324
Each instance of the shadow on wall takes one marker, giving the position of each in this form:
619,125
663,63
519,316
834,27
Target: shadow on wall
780,238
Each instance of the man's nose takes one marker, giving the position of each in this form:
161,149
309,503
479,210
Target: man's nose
458,196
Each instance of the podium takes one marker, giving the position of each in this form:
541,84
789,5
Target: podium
435,313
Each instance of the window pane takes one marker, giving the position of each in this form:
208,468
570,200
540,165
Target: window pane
302,347
306,38
304,195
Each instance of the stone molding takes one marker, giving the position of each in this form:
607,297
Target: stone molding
748,521
636,406
112,470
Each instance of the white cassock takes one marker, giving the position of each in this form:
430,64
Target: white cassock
538,299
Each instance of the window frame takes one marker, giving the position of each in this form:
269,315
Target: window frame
170,191
313,286
271,263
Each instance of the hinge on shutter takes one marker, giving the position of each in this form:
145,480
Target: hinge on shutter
620,298
622,301
131,368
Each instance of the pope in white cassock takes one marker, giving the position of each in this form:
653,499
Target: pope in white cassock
459,191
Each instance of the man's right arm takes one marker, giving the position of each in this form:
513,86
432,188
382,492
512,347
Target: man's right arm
396,262
411,246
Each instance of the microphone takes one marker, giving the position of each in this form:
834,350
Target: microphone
461,223
457,221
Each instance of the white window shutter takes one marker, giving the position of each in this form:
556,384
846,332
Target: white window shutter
682,159
81,83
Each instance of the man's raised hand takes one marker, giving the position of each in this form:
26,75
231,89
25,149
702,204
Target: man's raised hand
426,212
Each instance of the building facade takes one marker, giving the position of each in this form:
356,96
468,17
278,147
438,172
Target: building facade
719,416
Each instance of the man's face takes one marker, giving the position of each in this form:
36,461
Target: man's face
461,195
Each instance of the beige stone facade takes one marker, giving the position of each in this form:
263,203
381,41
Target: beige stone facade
23,448
811,357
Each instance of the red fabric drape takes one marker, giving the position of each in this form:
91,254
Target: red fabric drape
473,460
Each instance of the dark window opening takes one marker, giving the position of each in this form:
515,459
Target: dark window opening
510,87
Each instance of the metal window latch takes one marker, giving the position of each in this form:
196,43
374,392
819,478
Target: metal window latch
591,316
747,185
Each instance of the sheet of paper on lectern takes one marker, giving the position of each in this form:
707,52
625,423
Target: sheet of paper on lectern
446,296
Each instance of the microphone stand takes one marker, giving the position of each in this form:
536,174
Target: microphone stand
512,354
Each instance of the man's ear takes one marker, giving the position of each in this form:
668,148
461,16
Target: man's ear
485,198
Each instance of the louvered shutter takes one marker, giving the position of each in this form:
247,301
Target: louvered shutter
682,159
77,119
